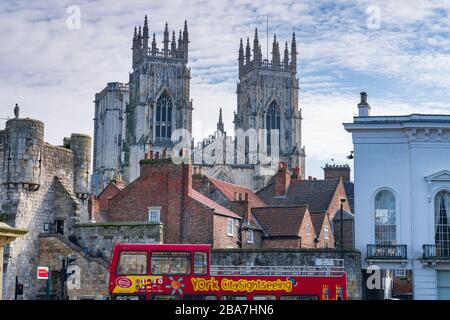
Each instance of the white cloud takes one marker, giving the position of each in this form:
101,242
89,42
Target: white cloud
54,72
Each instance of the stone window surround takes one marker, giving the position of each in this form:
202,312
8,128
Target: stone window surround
230,227
326,233
250,238
153,210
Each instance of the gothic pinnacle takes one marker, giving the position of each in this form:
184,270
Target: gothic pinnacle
145,34
256,46
174,42
139,38
135,37
286,55
154,44
247,51
145,24
220,125
185,32
180,41
241,54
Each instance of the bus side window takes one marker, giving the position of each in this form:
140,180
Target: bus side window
170,263
201,263
132,262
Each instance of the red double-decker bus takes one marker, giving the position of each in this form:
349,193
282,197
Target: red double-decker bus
181,271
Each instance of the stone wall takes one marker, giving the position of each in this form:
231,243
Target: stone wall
31,209
90,280
98,239
37,179
91,245
288,257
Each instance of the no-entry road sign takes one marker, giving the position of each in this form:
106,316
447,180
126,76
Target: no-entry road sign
42,273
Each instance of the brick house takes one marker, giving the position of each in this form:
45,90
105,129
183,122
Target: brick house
322,196
237,199
197,209
163,193
99,205
269,226
343,172
286,227
323,230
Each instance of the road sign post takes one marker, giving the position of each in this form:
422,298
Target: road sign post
43,273
15,291
48,287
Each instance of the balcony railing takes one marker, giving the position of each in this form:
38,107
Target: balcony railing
436,252
386,252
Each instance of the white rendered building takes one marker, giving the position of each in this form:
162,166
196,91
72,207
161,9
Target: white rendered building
402,198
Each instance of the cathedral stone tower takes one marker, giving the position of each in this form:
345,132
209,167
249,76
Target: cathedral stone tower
159,101
109,128
267,98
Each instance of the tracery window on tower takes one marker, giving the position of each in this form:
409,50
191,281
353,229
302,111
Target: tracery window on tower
164,117
273,120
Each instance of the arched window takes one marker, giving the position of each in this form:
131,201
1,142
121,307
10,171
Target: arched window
272,122
441,222
385,220
164,117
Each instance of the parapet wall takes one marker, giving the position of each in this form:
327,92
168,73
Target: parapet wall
293,257
98,238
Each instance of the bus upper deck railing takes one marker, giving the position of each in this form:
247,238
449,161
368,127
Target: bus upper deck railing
324,271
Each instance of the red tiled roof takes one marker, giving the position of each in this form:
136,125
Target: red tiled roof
111,185
280,221
317,194
197,196
229,189
317,219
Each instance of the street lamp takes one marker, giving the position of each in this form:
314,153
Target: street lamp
342,227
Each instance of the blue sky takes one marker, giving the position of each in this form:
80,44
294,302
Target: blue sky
403,63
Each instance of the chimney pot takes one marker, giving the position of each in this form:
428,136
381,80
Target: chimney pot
363,106
363,97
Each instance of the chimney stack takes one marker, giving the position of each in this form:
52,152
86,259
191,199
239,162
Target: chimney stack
337,172
363,106
297,175
247,209
282,180
187,179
